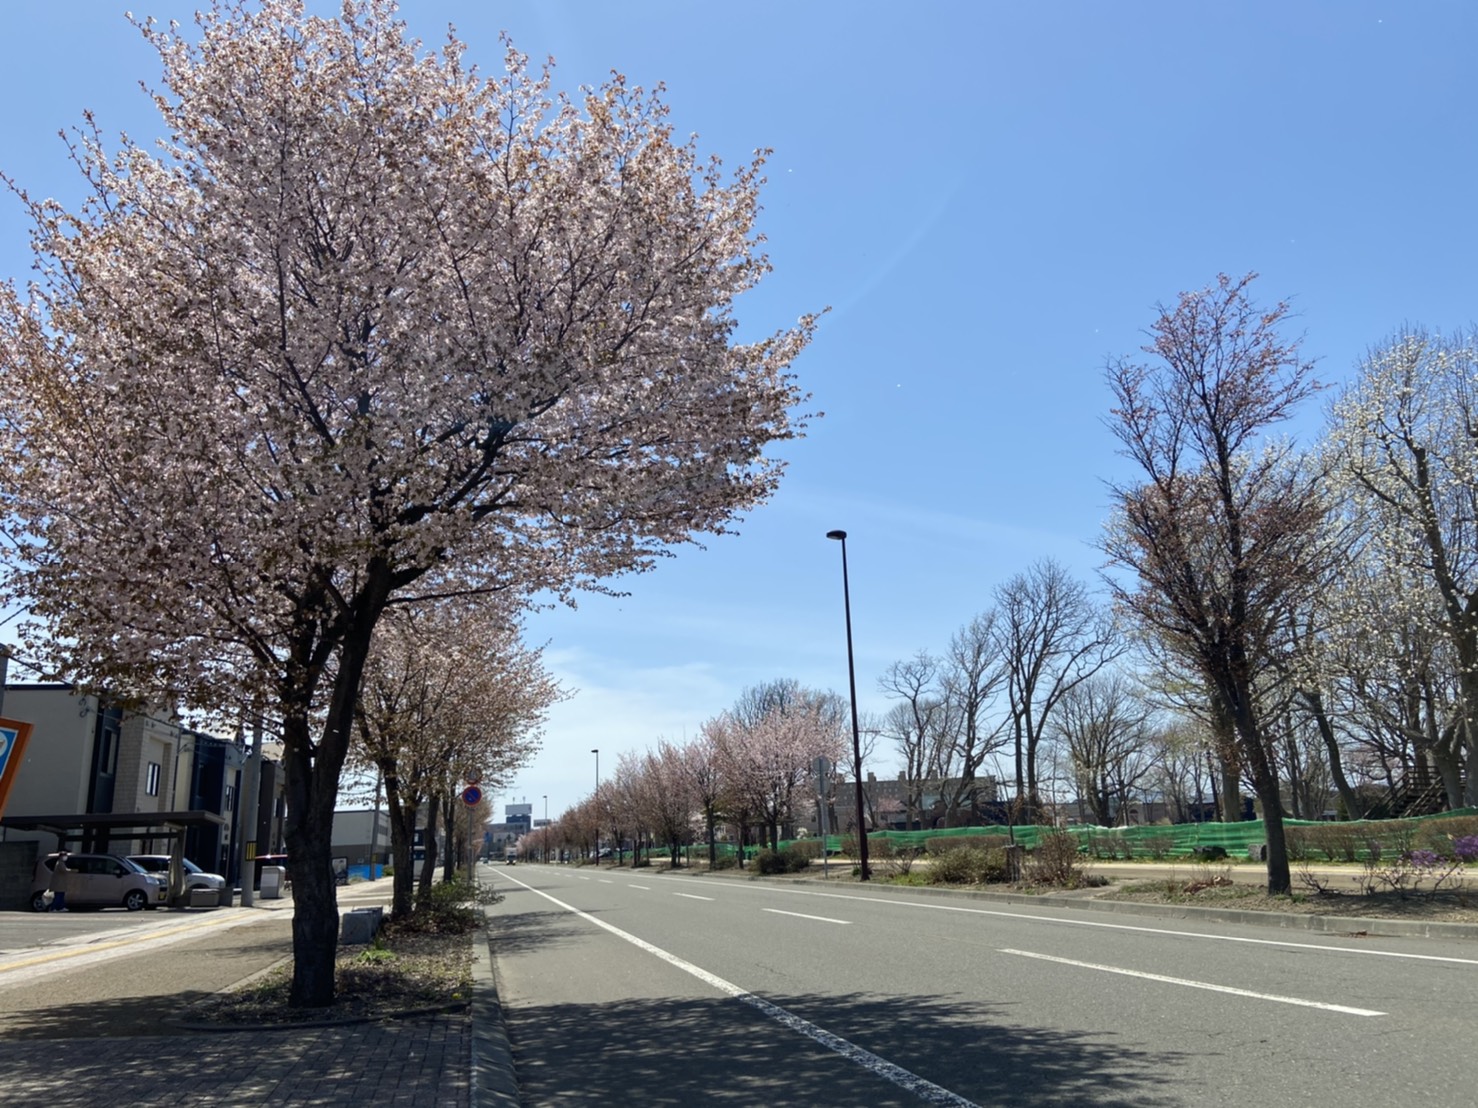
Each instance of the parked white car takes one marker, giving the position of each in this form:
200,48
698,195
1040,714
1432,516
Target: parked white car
195,877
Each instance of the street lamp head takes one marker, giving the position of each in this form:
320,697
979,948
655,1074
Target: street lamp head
595,750
839,535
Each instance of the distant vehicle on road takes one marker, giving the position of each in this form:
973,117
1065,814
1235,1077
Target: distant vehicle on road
99,881
195,877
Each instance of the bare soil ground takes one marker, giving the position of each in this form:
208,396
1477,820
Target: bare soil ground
406,971
1357,894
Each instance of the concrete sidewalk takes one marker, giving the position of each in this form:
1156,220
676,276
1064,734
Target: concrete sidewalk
71,1036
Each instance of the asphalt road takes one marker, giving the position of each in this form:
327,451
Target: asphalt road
629,987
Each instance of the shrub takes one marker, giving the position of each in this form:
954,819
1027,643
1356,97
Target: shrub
1055,862
969,865
1109,846
725,861
1159,846
941,843
789,860
1298,842
451,907
1465,849
891,858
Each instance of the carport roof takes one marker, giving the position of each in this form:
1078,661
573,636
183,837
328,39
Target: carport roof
113,821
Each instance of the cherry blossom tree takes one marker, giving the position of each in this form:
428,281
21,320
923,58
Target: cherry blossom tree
449,693
703,768
1404,440
1223,533
366,328
666,797
774,734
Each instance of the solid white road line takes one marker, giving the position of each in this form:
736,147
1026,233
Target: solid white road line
923,1089
1198,984
802,915
691,896
643,888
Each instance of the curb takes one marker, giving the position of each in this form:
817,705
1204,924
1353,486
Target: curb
493,1081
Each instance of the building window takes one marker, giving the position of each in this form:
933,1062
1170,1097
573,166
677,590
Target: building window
151,779
230,798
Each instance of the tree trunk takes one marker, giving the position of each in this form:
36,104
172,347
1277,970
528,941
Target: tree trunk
1348,797
712,837
1265,780
430,851
310,866
402,836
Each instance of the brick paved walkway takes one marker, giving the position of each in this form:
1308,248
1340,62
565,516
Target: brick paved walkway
408,1062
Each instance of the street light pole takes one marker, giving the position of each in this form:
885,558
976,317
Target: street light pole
863,871
546,828
595,803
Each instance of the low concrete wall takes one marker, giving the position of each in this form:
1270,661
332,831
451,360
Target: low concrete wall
17,864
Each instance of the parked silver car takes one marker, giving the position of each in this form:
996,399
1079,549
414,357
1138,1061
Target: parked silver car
98,881
195,877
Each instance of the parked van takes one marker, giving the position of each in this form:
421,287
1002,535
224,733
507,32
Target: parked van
99,881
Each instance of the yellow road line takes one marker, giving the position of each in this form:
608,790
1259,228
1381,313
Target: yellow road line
93,948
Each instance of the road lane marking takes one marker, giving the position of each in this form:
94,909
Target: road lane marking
1189,984
691,896
905,1079
643,888
606,881
1025,915
802,915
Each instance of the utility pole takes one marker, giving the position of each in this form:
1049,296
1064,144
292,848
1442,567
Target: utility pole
246,813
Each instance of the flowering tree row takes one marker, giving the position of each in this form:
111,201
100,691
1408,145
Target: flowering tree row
750,770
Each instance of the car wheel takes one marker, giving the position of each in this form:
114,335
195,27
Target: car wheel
38,902
136,900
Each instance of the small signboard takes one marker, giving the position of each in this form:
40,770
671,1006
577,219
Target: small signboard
13,738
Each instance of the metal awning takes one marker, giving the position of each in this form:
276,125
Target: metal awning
105,825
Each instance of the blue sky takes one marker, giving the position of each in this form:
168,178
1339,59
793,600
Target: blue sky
991,198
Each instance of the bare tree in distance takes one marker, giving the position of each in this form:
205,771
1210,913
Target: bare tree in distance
1049,636
1223,532
1105,728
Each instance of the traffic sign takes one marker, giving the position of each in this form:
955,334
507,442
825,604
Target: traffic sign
471,795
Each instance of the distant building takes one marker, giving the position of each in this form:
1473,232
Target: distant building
362,835
885,804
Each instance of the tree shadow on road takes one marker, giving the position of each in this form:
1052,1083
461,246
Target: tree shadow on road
683,1051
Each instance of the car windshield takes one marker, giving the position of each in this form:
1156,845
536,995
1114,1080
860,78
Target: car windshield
191,867
129,863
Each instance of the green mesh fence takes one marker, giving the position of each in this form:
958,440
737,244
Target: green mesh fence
1350,838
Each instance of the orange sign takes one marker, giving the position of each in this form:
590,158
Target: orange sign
13,738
